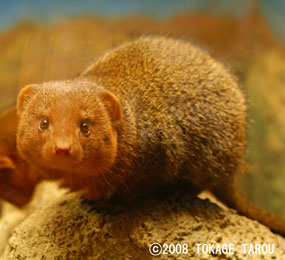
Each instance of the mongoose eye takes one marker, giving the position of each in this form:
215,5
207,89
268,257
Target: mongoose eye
84,127
44,124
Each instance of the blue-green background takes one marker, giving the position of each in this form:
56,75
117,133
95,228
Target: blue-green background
14,11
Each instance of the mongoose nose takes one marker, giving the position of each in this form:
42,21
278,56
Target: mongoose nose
62,151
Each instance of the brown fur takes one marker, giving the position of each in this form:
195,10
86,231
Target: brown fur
161,112
17,183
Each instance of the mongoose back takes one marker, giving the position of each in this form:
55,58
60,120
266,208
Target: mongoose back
151,112
17,183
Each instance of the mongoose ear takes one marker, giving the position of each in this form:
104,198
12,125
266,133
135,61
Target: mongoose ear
25,94
6,163
113,106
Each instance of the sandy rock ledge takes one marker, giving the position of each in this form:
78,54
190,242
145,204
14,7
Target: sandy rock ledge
70,229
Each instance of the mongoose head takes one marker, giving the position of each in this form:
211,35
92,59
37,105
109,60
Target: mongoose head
68,126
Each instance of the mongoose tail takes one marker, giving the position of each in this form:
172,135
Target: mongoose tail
229,195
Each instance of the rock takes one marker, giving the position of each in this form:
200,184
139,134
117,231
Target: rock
72,229
12,216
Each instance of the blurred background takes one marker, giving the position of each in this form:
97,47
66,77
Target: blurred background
48,40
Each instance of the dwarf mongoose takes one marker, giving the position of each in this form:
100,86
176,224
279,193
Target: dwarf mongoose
150,112
17,183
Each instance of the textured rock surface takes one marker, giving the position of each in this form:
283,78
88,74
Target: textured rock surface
70,229
45,193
